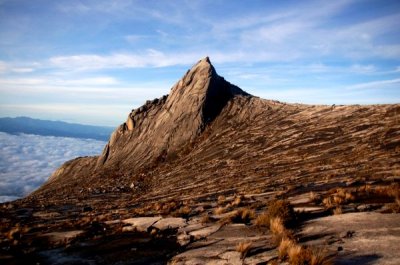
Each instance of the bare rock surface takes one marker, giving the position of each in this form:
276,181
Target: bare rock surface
142,223
170,223
57,238
364,238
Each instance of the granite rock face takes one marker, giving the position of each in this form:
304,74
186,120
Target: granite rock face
163,126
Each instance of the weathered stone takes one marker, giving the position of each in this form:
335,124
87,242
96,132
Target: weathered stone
232,257
142,224
183,239
204,232
170,223
366,237
58,238
129,123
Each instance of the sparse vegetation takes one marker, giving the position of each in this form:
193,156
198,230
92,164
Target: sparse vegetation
314,197
277,228
242,215
262,220
237,201
284,246
276,209
301,255
219,210
205,219
221,199
243,248
366,193
338,210
184,211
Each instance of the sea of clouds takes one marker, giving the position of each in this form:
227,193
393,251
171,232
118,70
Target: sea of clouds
26,160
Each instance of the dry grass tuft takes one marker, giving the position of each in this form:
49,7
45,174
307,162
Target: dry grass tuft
337,210
338,199
184,212
238,201
262,220
298,255
276,226
314,197
276,209
320,257
221,199
328,202
205,219
243,248
284,246
243,215
219,210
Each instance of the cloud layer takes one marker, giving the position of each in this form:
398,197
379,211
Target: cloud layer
26,161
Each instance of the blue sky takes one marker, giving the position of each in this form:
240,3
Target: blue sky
93,61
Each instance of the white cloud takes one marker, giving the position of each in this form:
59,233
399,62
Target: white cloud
3,67
26,161
363,69
376,84
150,58
22,70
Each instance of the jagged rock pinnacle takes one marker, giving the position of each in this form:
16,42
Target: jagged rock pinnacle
163,126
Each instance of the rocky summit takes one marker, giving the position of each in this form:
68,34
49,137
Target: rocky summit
210,174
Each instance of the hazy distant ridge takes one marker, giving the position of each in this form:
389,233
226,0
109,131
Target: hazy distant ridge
54,128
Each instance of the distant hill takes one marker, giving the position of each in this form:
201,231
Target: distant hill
54,128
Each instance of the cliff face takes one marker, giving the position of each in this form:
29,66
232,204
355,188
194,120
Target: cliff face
209,135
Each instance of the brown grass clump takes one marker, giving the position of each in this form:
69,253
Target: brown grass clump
314,197
337,210
340,196
284,246
221,199
169,207
320,257
262,220
184,212
237,201
298,255
276,226
219,210
283,210
243,248
243,215
395,207
205,219
328,202
338,199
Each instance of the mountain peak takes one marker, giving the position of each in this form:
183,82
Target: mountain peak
167,124
201,92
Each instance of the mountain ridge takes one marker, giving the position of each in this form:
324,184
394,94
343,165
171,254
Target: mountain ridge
53,128
179,127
